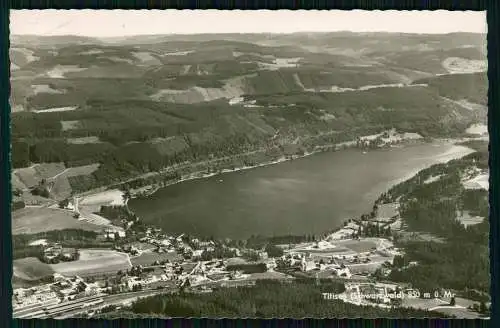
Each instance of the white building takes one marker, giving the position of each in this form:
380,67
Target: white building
307,265
197,253
165,242
271,264
111,233
131,282
342,272
58,277
236,251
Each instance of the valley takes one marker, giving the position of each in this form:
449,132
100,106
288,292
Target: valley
203,162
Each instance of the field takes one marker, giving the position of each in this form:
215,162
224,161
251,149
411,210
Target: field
424,304
479,182
83,140
89,205
467,220
93,261
268,275
32,175
30,268
38,219
149,258
55,174
16,182
61,187
359,246
376,262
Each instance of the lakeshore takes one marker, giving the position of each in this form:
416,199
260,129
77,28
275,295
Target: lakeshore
392,140
276,202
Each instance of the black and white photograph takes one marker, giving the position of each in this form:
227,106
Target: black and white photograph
249,164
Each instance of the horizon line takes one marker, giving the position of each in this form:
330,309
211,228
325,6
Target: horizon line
247,33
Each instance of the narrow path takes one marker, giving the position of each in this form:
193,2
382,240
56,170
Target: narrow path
58,174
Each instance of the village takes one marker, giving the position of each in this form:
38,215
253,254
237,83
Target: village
148,261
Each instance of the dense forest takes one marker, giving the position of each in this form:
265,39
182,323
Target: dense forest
268,299
137,136
459,260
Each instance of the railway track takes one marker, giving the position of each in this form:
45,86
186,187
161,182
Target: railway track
46,311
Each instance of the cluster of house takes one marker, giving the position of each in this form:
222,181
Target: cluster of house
71,287
54,253
43,294
130,249
387,215
61,289
180,274
306,262
131,282
164,243
114,233
211,271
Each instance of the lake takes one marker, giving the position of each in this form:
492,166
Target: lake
313,194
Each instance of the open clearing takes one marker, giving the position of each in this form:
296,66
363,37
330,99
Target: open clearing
359,246
348,247
467,220
108,197
233,87
31,176
83,140
94,261
61,187
27,53
39,219
55,109
44,88
388,210
457,65
59,71
92,52
31,268
268,275
479,129
16,182
146,58
420,303
479,182
56,174
69,125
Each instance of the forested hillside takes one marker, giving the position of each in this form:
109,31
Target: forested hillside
436,202
140,104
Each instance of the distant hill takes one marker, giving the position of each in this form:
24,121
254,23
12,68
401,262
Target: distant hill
189,97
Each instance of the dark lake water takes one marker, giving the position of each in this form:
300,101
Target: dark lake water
308,195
